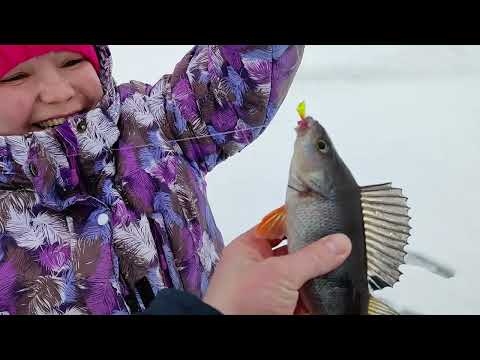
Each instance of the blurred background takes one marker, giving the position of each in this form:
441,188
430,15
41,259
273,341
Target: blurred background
405,114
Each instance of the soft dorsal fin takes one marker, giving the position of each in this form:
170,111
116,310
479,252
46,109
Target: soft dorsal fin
386,224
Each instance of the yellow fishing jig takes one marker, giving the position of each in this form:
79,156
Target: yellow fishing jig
301,110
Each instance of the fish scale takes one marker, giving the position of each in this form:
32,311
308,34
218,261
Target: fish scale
315,220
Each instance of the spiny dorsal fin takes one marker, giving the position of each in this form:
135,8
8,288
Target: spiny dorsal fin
387,229
377,307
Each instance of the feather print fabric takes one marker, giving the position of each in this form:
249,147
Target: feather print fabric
116,197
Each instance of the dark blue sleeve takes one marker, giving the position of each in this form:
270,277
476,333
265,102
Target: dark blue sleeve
176,302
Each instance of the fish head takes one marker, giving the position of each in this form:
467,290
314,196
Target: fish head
315,161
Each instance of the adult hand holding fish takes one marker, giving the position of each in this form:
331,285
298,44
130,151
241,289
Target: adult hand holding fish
255,277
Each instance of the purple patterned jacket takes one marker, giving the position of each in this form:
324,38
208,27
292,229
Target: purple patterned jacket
99,214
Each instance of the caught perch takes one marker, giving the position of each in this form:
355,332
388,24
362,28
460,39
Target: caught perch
323,198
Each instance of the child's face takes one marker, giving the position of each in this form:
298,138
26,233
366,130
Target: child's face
48,87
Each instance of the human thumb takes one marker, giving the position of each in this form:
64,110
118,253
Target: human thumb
318,258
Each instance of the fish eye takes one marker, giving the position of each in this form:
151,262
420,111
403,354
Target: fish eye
322,146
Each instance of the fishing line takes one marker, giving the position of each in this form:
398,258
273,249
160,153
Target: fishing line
168,142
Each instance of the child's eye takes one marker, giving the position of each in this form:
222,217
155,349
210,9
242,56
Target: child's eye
14,77
72,62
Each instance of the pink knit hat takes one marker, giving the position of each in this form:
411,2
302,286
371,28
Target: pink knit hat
12,55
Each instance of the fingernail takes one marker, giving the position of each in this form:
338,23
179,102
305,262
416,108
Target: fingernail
338,244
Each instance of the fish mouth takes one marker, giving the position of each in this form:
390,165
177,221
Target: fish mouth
302,126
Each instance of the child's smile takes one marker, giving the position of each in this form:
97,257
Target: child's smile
42,92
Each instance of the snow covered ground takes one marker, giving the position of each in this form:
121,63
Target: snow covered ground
406,114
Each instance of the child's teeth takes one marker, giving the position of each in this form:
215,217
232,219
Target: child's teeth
51,123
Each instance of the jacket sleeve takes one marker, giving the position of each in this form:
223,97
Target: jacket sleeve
176,302
219,98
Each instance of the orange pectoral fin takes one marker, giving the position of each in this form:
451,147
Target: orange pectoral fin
274,224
